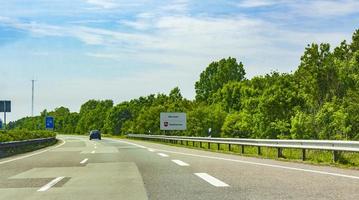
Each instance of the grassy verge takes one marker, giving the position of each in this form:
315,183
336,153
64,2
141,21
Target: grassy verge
114,136
19,135
316,157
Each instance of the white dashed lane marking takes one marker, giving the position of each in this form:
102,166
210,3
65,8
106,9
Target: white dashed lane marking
211,180
180,163
84,161
50,184
162,154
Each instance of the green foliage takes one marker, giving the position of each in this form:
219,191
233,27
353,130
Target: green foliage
92,115
203,117
333,122
18,135
116,117
239,124
216,75
303,126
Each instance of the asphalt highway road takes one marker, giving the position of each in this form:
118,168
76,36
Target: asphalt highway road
109,169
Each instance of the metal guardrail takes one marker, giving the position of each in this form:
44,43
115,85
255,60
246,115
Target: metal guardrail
327,145
6,146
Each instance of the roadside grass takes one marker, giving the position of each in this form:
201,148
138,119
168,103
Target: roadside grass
19,135
316,157
114,136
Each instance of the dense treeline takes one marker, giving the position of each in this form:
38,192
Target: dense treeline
19,135
320,100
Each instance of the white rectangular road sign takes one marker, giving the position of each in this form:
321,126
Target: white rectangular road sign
173,121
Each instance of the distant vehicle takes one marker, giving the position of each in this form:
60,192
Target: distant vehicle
95,134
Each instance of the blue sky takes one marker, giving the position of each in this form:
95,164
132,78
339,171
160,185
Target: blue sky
115,49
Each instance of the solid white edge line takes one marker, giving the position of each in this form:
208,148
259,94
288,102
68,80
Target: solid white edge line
50,184
180,163
84,161
266,165
151,150
33,154
92,151
121,141
211,180
162,154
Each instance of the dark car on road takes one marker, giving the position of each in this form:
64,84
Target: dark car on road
95,134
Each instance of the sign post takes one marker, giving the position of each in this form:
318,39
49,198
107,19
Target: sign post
5,106
173,121
49,123
0,124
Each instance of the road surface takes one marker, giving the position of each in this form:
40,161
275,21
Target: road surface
126,169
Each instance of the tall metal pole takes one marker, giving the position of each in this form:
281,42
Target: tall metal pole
4,115
32,98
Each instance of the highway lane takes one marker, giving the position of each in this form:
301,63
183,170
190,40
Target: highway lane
127,169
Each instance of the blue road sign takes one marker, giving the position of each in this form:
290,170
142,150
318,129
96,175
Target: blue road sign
5,106
50,123
0,124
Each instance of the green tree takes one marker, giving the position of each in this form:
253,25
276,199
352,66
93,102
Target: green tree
92,115
303,126
216,75
116,117
239,124
203,117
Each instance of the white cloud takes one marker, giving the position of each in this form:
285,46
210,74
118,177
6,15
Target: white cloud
37,29
257,3
322,8
185,37
308,8
138,24
176,6
106,4
102,55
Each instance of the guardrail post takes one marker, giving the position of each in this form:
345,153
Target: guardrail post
335,156
242,149
280,153
229,147
209,145
192,143
218,145
186,142
259,150
200,144
303,154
